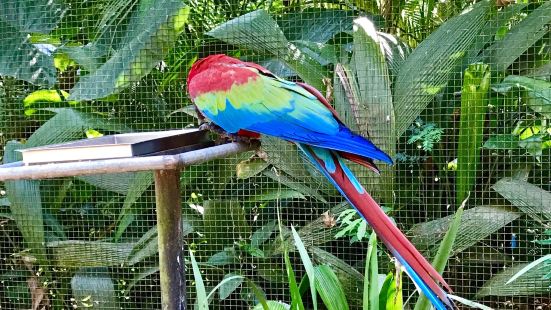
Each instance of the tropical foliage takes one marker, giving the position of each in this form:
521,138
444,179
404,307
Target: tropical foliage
458,92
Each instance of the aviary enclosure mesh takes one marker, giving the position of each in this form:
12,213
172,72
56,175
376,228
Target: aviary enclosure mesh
400,71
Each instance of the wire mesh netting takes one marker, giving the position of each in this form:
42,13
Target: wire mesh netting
458,93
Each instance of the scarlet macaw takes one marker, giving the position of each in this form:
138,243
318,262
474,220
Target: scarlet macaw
244,98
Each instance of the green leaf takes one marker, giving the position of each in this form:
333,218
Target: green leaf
428,68
529,267
201,302
26,206
45,96
148,245
285,156
152,32
330,289
471,128
120,183
522,36
140,275
93,287
390,297
476,224
229,284
446,246
276,194
77,253
537,93
376,110
263,233
530,283
349,277
374,85
224,223
347,96
296,298
222,258
314,25
140,182
69,124
32,16
289,181
259,294
308,266
371,283
502,142
443,254
259,32
22,60
528,198
253,251
250,167
273,305
396,52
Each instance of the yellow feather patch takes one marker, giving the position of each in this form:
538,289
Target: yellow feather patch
247,96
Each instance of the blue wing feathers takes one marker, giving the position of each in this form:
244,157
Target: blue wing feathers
343,140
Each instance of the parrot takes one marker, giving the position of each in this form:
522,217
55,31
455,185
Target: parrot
245,99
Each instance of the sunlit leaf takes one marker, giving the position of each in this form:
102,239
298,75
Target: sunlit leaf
522,36
430,63
153,30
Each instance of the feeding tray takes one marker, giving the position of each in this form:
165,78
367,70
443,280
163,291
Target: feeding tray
119,146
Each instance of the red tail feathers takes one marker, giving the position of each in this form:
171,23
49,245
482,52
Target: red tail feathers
336,171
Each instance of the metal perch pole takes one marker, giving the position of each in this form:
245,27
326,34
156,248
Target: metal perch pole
167,191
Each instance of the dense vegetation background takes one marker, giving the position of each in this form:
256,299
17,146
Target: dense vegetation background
458,92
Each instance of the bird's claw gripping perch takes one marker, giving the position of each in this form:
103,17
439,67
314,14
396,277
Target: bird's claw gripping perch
223,135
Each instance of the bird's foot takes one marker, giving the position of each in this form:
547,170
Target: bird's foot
223,136
212,128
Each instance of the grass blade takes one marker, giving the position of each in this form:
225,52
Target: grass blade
443,253
296,299
371,283
202,301
310,271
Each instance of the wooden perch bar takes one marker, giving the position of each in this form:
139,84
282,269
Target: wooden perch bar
18,171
